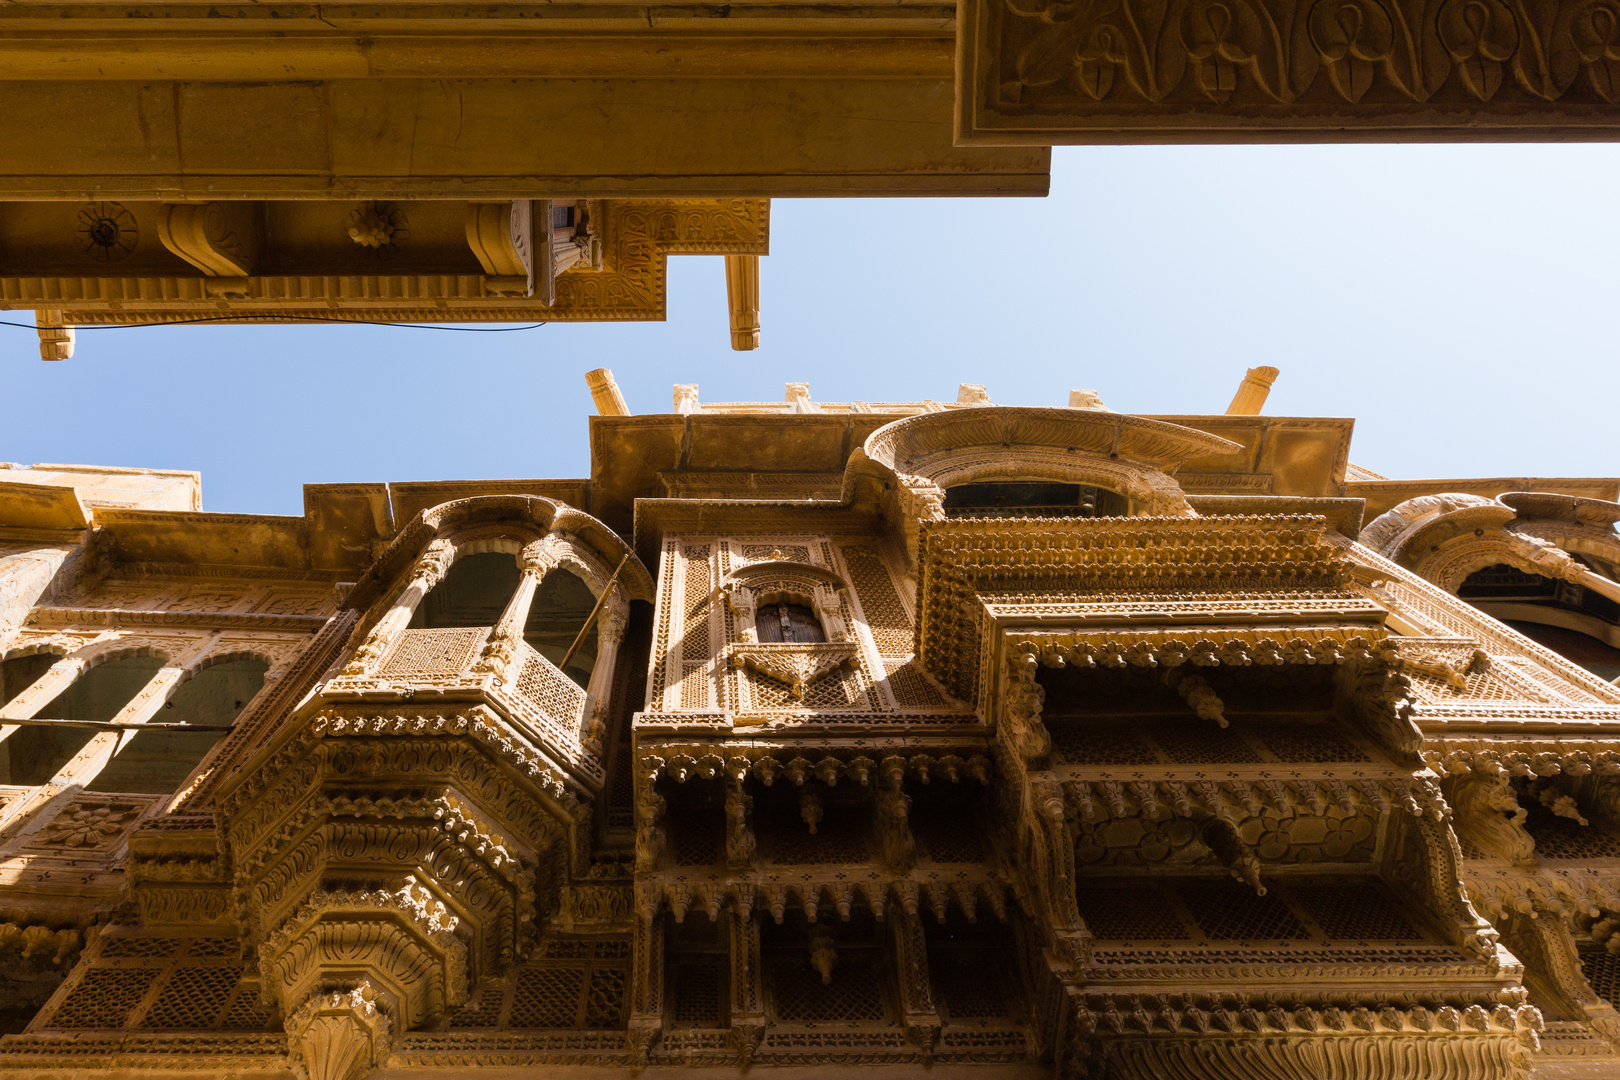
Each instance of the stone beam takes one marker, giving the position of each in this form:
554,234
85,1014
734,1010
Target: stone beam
494,139
1038,72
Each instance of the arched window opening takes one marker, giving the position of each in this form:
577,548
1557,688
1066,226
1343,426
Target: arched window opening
33,754
474,592
21,672
1578,623
562,603
158,762
1033,498
788,622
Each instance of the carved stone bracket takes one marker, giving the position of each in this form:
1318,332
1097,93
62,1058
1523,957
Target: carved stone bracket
401,943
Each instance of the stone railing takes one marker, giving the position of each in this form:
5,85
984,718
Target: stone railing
548,699
433,653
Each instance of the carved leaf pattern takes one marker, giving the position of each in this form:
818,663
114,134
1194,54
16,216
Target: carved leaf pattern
1257,52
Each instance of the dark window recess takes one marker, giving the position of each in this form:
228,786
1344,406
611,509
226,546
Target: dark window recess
35,754
788,622
158,762
562,217
561,604
474,592
1494,588
1031,498
1506,583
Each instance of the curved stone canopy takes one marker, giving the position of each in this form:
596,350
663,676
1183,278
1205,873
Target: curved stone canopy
535,511
904,443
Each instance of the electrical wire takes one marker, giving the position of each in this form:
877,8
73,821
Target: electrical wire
287,318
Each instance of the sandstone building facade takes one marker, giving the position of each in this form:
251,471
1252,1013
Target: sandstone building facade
929,738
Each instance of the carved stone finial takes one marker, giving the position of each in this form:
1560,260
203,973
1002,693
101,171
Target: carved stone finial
686,398
1252,391
338,1035
798,396
972,394
1087,399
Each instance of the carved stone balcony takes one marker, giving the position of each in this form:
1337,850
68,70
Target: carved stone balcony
451,665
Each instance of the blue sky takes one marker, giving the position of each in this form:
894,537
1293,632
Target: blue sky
1459,302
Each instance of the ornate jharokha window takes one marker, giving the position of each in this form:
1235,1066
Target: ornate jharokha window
1033,498
474,592
788,622
562,605
480,587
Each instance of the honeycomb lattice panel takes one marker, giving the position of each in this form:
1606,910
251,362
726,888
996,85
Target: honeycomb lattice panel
1201,743
245,1013
1602,969
1230,911
547,997
1079,744
855,992
970,984
604,1001
484,1011
1309,743
1356,912
192,998
1144,914
885,616
145,948
550,691
1563,838
834,841
695,624
951,841
910,687
104,998
696,992
434,652
697,840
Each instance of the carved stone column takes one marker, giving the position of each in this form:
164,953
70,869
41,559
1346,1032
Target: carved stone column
56,337
598,695
430,570
499,651
747,996
646,987
742,293
917,1012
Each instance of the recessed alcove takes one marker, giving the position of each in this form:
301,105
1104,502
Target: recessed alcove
35,753
562,602
157,762
1033,498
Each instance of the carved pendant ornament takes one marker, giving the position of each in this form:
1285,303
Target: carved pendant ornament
797,665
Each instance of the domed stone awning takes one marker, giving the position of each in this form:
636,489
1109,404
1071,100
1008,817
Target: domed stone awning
922,457
1545,562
